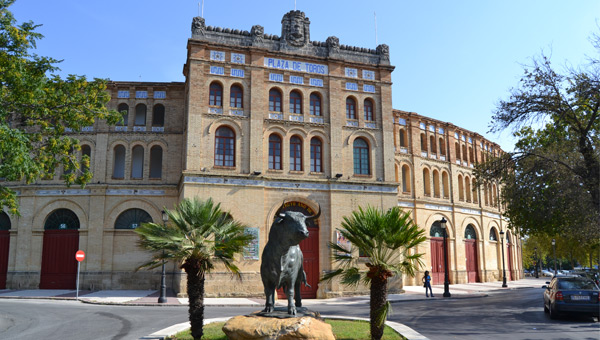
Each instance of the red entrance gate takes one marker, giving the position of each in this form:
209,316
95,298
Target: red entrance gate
59,267
4,244
471,252
437,260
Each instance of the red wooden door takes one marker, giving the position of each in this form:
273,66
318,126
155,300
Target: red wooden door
310,250
4,244
437,260
59,267
471,252
509,255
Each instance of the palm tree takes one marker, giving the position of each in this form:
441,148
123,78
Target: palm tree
383,239
200,234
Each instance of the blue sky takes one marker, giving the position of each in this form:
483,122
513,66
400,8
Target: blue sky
454,59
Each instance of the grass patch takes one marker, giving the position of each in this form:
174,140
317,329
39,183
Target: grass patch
342,329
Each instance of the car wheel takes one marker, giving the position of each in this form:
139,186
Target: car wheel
546,309
553,313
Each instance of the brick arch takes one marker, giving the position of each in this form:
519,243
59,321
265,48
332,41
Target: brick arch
296,131
450,232
234,125
472,221
42,214
356,134
139,203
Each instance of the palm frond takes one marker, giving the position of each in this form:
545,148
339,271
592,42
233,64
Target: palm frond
382,313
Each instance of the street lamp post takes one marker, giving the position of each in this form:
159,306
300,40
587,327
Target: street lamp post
503,268
163,286
554,248
535,256
446,281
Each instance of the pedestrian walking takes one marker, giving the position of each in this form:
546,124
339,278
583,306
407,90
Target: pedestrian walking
427,284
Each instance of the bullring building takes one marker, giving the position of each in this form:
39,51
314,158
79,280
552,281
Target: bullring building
260,119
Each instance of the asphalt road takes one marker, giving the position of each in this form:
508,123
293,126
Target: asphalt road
510,314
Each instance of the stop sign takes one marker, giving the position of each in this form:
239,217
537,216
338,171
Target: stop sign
79,255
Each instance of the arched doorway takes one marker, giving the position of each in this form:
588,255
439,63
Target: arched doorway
4,246
509,257
437,253
310,250
471,253
61,242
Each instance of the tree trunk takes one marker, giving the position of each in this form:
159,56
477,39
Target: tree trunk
378,300
195,290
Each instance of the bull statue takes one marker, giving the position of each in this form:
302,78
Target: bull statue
282,259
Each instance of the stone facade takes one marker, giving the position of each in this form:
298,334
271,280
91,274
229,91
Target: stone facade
210,136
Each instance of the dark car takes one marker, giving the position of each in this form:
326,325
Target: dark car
571,295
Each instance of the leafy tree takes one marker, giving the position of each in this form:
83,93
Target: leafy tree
36,108
552,179
384,241
198,236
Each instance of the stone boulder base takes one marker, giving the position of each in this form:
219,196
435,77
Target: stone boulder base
253,327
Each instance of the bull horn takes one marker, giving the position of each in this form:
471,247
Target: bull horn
317,214
280,208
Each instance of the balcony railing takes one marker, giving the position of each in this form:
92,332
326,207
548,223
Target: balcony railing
121,128
316,120
370,125
158,129
239,113
216,110
139,129
353,123
296,118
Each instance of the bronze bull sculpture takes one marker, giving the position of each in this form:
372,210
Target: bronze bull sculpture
282,259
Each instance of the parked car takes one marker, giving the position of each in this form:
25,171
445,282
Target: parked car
547,273
571,294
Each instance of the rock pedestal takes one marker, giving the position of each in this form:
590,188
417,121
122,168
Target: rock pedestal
256,327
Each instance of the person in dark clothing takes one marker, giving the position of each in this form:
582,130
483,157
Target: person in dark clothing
427,283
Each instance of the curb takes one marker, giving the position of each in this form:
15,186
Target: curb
403,330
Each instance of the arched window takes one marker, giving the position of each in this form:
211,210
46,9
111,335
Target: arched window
494,199
275,152
158,115
137,162
315,104
236,96
426,182
369,110
445,185
464,153
468,188
316,155
490,199
140,115
132,218
493,235
474,188
436,183
215,97
486,194
423,143
403,139
350,108
224,147
442,147
156,154
61,219
436,230
295,153
471,158
405,178
86,150
4,221
361,157
457,149
470,233
432,144
275,100
295,102
124,110
461,190
119,162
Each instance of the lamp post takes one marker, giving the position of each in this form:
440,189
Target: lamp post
535,257
554,248
503,269
446,281
163,286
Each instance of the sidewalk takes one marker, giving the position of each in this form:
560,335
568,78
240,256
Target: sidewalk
150,297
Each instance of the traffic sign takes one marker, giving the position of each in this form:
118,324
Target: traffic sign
79,255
